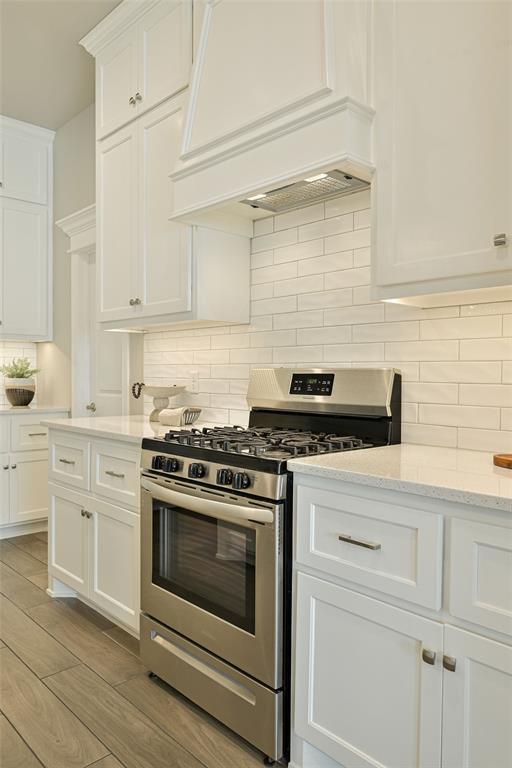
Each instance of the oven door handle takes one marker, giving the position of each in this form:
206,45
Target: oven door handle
207,507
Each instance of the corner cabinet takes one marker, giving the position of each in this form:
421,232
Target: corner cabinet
25,231
153,271
442,191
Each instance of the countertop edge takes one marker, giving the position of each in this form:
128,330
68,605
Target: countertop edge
106,434
473,498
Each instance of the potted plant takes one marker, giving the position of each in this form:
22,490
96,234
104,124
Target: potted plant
20,386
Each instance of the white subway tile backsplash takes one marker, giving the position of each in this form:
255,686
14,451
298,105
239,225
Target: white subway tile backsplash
460,416
347,203
311,305
327,227
324,299
328,263
490,349
460,371
461,328
385,332
299,216
486,394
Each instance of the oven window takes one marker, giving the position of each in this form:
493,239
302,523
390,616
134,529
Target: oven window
205,561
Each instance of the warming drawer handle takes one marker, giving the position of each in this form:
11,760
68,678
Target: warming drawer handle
359,542
203,506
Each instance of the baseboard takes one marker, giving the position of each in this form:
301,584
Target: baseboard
19,529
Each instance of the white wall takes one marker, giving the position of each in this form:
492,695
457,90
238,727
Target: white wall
74,188
311,306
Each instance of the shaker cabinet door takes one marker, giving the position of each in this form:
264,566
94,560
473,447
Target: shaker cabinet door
24,260
4,488
363,693
117,224
116,84
68,529
477,702
28,486
114,546
164,270
24,167
443,184
164,52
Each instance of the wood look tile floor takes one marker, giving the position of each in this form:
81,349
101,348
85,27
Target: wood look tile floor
74,693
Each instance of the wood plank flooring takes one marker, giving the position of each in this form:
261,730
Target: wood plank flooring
73,692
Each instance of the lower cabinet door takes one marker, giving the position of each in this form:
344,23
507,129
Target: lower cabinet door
363,693
28,486
4,488
68,528
114,561
477,702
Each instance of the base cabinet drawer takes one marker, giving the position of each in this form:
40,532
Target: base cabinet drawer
363,693
481,574
115,473
27,432
394,549
70,461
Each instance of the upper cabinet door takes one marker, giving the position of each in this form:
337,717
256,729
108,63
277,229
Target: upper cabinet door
24,255
442,85
164,52
164,253
24,164
116,83
477,702
116,194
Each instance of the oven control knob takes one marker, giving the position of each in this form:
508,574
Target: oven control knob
158,462
196,470
241,480
171,465
224,477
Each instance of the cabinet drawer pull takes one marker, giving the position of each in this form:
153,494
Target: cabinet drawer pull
359,542
37,434
449,663
429,657
500,239
67,461
113,474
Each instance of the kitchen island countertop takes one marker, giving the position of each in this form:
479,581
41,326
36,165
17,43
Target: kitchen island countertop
453,474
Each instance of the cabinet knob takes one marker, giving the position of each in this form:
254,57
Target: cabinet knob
449,663
13,466
429,657
137,302
83,512
131,100
1,183
132,302
91,407
6,466
138,96
500,239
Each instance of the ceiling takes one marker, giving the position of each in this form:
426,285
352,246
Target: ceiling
46,78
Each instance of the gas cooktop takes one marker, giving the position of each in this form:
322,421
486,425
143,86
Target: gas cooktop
269,442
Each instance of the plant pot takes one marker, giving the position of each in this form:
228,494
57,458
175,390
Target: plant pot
20,392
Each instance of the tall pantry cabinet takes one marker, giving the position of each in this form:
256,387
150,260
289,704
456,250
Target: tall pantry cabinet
150,269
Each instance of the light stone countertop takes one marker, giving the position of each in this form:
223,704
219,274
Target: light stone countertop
453,474
9,410
129,429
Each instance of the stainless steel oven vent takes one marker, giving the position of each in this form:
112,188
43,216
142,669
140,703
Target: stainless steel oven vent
309,190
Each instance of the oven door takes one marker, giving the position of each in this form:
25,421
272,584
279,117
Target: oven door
212,570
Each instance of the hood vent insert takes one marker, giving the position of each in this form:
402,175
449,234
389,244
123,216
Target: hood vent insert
310,190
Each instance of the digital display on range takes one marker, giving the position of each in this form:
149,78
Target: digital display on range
312,384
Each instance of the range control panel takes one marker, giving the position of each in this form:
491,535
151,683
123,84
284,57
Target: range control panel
312,384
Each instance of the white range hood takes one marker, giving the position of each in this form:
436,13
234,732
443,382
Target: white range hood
279,95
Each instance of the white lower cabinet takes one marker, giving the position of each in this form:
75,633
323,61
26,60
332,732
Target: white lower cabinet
477,702
4,488
377,684
94,545
28,486
364,695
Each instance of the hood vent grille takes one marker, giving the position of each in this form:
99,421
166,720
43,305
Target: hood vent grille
307,191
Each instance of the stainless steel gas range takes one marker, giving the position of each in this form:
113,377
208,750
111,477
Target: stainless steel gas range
217,539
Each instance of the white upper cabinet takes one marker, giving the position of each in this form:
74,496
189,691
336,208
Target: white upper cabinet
116,195
25,231
443,155
116,83
143,55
